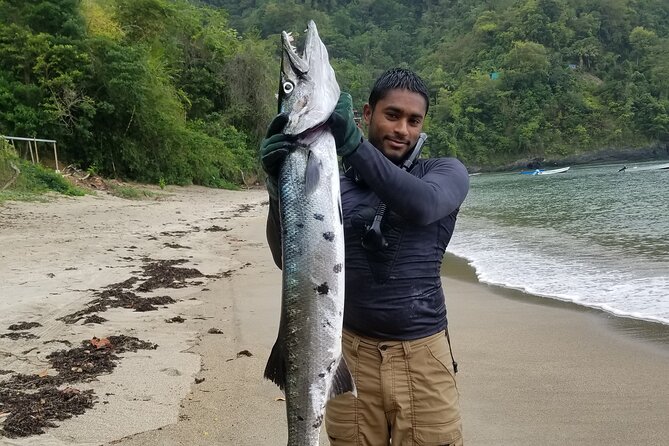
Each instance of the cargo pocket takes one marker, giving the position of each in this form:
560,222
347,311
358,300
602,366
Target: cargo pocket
340,423
436,401
342,434
449,434
443,358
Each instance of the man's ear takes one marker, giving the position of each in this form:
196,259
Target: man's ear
367,113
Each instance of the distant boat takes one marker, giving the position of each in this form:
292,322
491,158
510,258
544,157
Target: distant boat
545,172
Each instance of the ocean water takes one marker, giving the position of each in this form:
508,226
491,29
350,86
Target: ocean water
593,236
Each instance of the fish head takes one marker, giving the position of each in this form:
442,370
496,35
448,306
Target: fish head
308,90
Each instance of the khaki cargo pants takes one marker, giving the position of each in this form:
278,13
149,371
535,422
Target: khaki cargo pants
406,392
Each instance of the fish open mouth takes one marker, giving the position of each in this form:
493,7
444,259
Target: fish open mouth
299,64
308,89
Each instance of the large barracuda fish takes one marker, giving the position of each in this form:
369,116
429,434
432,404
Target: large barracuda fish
306,360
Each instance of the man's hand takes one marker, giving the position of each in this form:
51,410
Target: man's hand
275,146
273,150
346,133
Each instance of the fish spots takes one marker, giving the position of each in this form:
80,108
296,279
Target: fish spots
318,422
323,288
327,324
337,268
319,217
300,225
330,366
321,375
300,418
329,236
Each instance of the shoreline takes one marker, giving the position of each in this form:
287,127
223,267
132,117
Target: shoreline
538,371
458,268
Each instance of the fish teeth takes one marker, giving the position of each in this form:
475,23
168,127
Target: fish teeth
291,40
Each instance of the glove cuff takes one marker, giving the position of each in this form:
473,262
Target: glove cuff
351,147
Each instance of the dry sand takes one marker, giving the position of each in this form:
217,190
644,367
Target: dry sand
532,371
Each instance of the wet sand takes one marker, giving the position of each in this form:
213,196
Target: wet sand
532,371
535,371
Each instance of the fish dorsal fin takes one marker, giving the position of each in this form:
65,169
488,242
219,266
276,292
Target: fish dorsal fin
313,173
342,381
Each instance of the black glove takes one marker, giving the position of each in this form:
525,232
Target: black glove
346,133
275,146
273,150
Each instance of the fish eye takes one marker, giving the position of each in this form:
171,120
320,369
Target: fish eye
288,87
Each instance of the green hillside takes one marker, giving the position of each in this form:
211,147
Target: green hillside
180,91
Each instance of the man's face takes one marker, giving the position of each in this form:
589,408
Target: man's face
395,123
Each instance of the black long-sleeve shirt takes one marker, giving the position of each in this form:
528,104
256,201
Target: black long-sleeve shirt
395,293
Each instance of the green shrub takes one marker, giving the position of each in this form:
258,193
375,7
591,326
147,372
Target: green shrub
32,180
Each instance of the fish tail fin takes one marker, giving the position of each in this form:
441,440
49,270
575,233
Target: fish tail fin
342,380
275,370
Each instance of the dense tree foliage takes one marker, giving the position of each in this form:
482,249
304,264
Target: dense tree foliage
509,78
143,89
182,90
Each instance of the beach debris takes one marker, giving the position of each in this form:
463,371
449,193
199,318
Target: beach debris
163,274
114,298
199,380
242,209
30,413
94,319
215,331
244,353
35,402
175,319
23,326
101,343
279,398
174,233
216,228
157,274
15,335
175,246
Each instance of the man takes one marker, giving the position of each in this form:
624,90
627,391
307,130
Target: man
395,338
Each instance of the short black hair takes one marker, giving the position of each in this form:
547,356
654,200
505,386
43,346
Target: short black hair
398,78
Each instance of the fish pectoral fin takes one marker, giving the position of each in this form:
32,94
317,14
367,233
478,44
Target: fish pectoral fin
342,381
275,370
312,175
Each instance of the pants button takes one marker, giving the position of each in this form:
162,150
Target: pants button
383,347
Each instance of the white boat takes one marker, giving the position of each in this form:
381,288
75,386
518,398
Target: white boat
545,172
551,172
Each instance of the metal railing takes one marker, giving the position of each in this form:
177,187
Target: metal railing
32,147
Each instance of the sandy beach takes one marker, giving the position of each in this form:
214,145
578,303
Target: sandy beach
532,371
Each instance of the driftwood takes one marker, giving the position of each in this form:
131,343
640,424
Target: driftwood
17,172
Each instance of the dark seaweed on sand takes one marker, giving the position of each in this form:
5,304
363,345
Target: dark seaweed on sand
34,402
